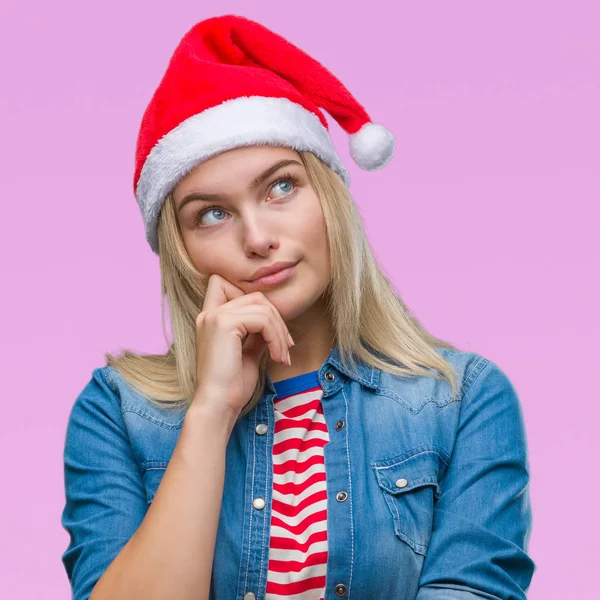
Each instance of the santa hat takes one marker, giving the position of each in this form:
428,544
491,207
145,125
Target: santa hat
232,82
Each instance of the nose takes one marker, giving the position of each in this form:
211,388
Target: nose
259,235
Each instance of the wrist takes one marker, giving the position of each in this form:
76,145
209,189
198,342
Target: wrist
218,415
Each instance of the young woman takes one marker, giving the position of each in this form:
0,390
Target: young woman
304,437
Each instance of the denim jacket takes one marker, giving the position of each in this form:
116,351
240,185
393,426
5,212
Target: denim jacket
428,494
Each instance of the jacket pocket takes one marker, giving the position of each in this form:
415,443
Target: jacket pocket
152,478
409,484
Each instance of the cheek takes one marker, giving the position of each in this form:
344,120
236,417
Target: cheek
208,259
314,239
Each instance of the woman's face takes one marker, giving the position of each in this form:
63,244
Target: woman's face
251,226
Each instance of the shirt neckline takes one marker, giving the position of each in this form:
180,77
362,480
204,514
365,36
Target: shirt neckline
299,383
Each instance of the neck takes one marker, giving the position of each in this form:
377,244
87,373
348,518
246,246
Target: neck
314,339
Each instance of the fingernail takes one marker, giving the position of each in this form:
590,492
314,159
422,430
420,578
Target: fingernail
291,340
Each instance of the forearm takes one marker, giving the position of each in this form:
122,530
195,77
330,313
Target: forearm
171,553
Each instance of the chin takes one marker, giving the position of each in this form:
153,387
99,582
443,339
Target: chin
291,304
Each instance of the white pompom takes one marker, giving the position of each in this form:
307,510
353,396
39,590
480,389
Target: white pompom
372,146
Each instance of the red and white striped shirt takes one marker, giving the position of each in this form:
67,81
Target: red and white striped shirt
298,542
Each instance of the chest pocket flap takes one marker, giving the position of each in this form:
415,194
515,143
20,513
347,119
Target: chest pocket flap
409,484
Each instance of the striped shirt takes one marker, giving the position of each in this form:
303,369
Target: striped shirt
298,541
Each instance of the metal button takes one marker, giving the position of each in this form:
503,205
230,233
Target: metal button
262,429
341,496
329,376
258,503
340,590
339,425
249,596
401,483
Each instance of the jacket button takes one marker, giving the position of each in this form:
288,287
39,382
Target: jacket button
258,503
249,596
261,429
401,483
340,590
329,376
341,496
339,425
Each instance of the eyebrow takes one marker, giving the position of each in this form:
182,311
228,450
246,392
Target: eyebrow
253,185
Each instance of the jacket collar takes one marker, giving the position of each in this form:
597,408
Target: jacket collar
361,372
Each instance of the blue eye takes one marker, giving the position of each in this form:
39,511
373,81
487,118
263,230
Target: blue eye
289,179
205,211
284,181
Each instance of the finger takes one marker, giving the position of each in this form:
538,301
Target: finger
259,322
254,345
259,299
272,321
284,333
219,291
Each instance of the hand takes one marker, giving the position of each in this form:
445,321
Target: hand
227,366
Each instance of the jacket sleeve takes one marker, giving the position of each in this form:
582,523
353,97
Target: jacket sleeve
482,518
104,491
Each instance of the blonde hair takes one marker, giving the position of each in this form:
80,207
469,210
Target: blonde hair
369,320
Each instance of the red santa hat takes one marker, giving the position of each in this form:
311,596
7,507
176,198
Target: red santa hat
232,82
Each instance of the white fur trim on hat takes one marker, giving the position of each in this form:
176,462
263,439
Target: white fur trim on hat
243,121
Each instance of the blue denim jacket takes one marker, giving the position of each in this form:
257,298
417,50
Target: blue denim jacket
428,495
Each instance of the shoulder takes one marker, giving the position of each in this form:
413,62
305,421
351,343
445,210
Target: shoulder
482,382
108,395
489,406
97,399
132,404
110,416
416,392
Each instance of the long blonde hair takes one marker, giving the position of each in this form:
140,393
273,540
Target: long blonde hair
369,320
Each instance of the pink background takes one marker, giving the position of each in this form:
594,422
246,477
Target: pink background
484,220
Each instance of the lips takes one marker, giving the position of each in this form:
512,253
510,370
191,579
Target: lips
274,278
272,269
